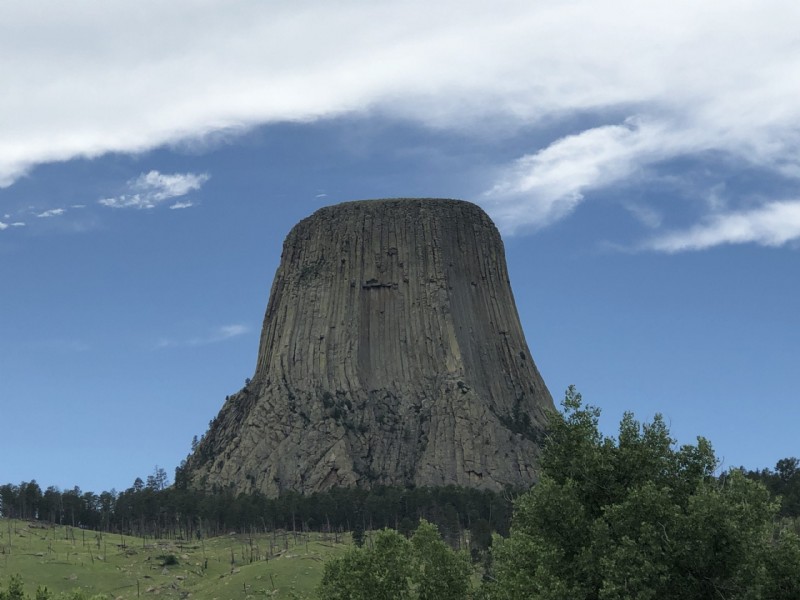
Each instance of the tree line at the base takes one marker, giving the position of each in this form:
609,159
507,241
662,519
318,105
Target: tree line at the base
146,509
611,518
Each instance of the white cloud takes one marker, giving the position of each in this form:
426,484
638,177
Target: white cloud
685,76
179,205
543,187
4,226
220,334
53,212
150,189
127,201
773,224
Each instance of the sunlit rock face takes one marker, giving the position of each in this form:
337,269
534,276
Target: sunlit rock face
391,353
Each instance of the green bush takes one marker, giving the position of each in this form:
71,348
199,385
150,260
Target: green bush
168,560
424,568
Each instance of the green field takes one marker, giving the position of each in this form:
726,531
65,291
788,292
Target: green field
261,565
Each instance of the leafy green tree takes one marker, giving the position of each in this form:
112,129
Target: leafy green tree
9,500
158,480
782,573
424,568
378,573
638,518
42,593
51,508
15,591
439,572
406,527
31,496
784,482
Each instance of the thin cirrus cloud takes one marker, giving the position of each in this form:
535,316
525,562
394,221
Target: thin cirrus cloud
53,212
4,226
544,187
180,205
220,334
773,224
662,81
153,188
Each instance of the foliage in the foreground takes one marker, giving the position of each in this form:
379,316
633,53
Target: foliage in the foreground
424,568
638,518
16,591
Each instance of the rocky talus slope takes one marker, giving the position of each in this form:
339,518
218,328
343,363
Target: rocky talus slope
391,353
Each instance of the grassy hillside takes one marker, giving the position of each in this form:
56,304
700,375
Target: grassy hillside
233,566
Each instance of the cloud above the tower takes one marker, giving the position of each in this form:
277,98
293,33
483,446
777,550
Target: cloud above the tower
651,83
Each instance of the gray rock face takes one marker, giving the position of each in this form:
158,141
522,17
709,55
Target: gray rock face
391,353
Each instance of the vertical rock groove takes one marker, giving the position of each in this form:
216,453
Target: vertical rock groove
391,353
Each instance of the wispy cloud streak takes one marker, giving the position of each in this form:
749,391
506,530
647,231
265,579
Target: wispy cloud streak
151,189
541,188
4,226
220,334
53,212
773,224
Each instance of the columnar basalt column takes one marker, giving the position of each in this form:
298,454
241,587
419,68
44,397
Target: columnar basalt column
391,353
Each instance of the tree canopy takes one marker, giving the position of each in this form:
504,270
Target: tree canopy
638,518
394,568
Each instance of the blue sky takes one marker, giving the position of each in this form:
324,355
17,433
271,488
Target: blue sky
640,159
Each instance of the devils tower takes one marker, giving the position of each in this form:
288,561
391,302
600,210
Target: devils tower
391,353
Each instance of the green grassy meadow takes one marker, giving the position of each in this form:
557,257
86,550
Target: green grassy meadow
263,565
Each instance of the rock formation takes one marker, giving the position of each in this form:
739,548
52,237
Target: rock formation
391,353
